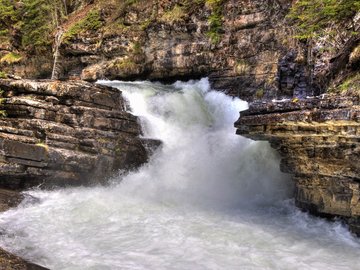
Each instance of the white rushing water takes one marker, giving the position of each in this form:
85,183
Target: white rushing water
208,199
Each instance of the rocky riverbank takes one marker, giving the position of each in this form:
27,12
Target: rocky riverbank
56,133
318,139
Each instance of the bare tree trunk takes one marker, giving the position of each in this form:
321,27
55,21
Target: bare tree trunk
56,66
65,7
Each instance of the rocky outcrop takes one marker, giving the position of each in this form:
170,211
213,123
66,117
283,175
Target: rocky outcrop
9,261
64,133
319,140
9,199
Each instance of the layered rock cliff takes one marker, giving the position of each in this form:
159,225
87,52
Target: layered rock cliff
247,48
319,141
238,44
64,133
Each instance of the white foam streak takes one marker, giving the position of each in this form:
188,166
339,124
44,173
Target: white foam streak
208,199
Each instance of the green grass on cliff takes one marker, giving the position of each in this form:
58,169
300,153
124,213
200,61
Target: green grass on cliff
125,65
10,58
351,85
215,20
92,21
2,112
174,15
312,17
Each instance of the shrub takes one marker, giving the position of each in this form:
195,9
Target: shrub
92,21
10,58
174,15
313,16
215,20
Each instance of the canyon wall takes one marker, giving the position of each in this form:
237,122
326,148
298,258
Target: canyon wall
64,133
246,48
319,141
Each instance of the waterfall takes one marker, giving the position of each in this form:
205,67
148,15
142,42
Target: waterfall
207,199
56,67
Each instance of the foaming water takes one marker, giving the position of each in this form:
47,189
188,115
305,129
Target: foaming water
208,199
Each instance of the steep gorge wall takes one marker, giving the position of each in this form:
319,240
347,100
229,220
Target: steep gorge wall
64,133
319,140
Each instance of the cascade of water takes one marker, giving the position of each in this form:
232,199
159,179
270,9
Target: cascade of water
208,199
56,68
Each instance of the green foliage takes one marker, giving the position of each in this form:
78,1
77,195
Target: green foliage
215,20
2,112
92,21
8,13
136,48
9,17
125,64
313,16
145,24
36,23
351,84
348,87
2,76
242,67
259,94
174,15
31,21
115,28
10,58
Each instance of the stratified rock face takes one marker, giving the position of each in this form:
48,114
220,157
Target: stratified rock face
169,39
319,140
160,44
64,133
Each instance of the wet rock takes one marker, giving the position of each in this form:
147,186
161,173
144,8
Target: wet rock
319,140
9,199
64,133
10,261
